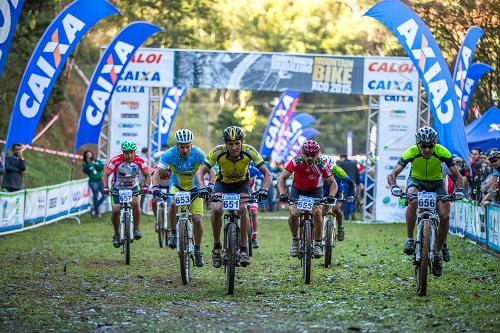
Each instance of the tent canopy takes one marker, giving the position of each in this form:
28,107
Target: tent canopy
484,132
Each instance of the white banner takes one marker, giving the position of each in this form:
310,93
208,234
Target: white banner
11,211
36,203
397,121
383,76
129,118
58,201
80,196
494,227
151,68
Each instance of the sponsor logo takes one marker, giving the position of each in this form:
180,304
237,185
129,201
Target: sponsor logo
397,113
128,125
86,193
394,158
437,86
77,196
52,202
129,115
105,82
41,203
130,89
389,167
48,62
132,105
494,127
170,104
291,64
141,76
151,58
386,200
129,134
401,177
390,85
398,98
390,67
7,20
332,75
398,128
63,199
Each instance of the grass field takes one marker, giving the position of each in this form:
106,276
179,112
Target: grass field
68,277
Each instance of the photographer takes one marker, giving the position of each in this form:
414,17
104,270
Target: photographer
93,169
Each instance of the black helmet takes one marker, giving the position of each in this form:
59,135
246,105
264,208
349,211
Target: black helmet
426,135
233,133
494,153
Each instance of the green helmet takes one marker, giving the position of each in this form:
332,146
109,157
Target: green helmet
128,146
233,133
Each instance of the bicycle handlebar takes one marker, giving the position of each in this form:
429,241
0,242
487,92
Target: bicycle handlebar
412,196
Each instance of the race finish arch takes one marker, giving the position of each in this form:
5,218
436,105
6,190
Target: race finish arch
395,107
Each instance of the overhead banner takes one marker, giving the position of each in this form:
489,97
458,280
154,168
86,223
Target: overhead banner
47,61
268,71
10,10
150,68
278,122
105,78
386,76
474,74
425,54
397,121
464,59
171,100
129,118
11,211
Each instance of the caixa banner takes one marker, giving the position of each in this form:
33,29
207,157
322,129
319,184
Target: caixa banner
150,68
46,63
10,10
390,76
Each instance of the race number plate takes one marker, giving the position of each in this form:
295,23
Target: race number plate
125,196
427,200
230,201
182,198
305,203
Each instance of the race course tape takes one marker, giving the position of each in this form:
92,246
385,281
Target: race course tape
50,151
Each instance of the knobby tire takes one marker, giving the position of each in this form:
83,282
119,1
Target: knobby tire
184,255
307,254
232,249
161,228
423,268
126,240
328,243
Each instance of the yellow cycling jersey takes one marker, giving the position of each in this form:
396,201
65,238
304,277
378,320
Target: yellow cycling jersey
233,171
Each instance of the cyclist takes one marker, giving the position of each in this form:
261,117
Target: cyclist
163,183
125,169
341,177
310,172
233,159
426,174
179,164
254,206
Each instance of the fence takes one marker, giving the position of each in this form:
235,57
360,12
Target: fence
480,224
32,208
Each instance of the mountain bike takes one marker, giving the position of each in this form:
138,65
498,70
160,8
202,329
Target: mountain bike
305,205
250,227
162,226
126,222
427,226
232,236
185,238
329,230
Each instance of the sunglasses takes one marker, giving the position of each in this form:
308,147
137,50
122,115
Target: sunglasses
427,146
494,161
309,155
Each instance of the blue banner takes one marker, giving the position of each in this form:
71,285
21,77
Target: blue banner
296,144
474,74
105,78
47,61
171,100
10,10
464,59
278,122
300,121
432,68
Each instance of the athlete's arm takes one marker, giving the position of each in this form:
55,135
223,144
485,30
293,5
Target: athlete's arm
458,177
333,185
147,177
212,176
200,174
105,177
391,178
159,173
282,189
268,178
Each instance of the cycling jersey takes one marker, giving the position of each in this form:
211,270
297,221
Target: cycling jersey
126,174
341,178
426,169
237,171
308,177
254,174
183,168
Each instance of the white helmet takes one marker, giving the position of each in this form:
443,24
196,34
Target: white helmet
183,136
328,159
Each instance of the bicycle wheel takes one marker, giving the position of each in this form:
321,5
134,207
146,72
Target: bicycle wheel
307,252
249,239
232,250
422,269
328,243
160,226
126,238
184,255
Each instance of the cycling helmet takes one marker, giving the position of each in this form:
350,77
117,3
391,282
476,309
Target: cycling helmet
183,136
128,146
426,135
493,154
233,133
310,147
328,159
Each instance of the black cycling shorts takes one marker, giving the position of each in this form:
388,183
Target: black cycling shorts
239,187
436,186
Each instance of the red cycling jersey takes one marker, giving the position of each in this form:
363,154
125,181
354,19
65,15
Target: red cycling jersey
308,177
126,174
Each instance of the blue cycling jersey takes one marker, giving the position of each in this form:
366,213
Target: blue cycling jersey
183,168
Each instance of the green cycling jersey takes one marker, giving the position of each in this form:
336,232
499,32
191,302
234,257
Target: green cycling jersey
426,168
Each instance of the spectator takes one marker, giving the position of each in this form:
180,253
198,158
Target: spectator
93,169
14,170
474,178
351,168
145,154
2,170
